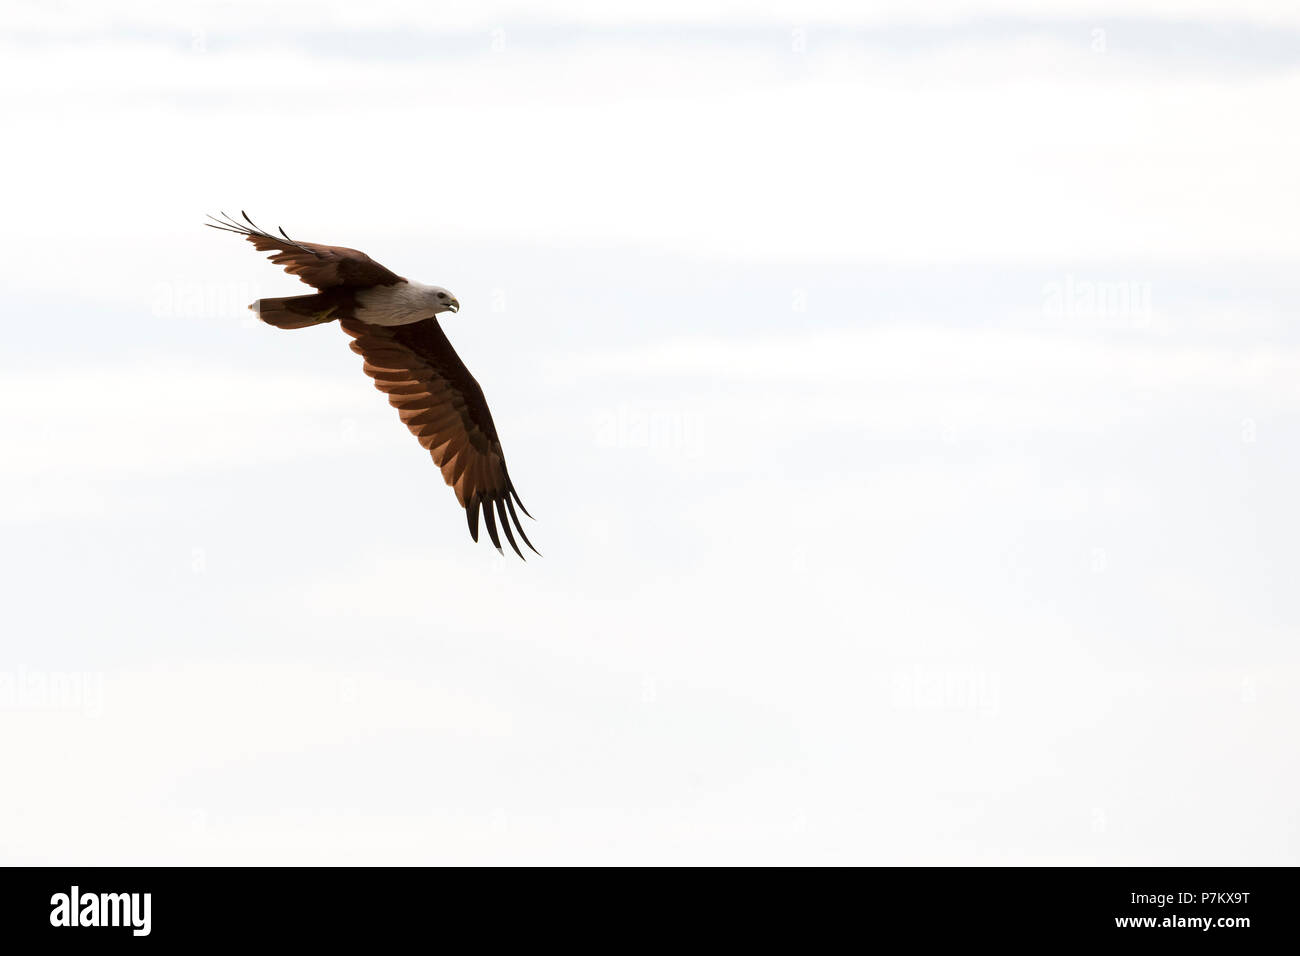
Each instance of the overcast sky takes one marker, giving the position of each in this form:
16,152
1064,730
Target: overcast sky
909,401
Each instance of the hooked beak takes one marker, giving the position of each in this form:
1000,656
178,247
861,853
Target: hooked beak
455,306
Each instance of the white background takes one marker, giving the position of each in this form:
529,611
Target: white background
909,400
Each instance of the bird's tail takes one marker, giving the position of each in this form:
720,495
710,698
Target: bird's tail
294,311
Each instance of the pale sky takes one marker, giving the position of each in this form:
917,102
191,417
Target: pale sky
907,399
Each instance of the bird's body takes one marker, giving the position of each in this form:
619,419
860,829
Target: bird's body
393,324
399,304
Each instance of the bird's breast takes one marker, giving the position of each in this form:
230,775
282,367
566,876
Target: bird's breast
398,304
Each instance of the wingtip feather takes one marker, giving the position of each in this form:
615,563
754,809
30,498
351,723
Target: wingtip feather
518,501
520,528
471,514
505,526
490,520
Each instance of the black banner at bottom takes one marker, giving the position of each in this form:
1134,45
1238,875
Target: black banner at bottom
374,906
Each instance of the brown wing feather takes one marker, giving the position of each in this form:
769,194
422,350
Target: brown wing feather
324,267
444,408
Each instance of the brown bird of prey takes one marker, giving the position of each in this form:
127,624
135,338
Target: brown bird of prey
394,327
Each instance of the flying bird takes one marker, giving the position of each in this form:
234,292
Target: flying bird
394,328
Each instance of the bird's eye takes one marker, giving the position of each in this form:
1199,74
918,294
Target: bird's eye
442,295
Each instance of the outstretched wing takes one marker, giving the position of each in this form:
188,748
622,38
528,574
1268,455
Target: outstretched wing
444,408
325,267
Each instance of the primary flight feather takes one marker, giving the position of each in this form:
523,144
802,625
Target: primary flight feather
394,328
